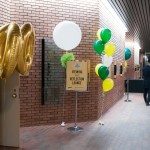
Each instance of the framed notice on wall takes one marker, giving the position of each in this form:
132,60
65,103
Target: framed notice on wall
115,69
77,75
118,69
121,69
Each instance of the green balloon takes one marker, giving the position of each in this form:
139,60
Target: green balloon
98,46
103,72
105,35
127,53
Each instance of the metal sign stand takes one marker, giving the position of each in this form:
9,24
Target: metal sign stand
127,93
75,128
79,72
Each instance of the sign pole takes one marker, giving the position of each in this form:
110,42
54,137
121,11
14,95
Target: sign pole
76,128
76,109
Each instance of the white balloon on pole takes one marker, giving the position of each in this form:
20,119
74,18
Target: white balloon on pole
67,35
107,60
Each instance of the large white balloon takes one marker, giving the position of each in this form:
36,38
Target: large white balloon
67,35
107,60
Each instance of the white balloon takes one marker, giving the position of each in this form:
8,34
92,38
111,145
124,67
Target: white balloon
107,60
67,35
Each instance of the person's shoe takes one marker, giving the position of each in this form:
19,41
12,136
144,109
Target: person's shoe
147,104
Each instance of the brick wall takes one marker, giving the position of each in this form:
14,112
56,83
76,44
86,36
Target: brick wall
45,15
130,73
118,38
4,12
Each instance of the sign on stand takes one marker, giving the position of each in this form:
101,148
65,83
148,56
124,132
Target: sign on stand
77,75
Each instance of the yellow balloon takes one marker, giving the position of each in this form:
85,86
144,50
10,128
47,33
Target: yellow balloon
109,49
98,33
97,67
108,84
125,64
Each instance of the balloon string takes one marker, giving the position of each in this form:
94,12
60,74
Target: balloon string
102,104
63,103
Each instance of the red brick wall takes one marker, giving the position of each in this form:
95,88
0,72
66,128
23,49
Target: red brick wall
4,12
45,15
141,63
130,73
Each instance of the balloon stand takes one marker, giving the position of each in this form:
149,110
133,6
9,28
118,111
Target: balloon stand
63,123
63,106
127,93
75,128
102,109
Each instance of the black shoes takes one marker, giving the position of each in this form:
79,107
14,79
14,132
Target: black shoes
147,104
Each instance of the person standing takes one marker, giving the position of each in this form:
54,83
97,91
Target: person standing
146,77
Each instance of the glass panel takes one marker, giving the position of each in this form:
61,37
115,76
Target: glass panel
53,73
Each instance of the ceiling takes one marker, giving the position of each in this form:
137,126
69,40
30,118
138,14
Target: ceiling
136,16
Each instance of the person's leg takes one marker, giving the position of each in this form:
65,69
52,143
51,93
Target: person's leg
145,95
148,99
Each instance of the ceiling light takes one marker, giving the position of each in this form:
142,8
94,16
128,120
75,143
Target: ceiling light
113,13
137,46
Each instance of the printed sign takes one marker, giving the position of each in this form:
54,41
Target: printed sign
76,75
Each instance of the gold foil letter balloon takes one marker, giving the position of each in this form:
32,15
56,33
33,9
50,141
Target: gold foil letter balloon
16,47
26,54
9,48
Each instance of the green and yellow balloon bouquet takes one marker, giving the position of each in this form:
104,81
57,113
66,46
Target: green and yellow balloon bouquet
102,45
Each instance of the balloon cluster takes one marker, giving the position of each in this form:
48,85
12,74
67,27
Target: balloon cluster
108,48
127,56
16,48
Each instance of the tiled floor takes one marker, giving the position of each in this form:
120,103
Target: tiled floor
127,127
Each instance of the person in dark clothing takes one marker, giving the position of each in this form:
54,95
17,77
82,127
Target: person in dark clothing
146,77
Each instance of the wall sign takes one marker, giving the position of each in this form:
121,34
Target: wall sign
77,75
53,74
121,69
115,70
118,69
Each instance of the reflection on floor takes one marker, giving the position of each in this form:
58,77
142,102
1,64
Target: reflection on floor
127,127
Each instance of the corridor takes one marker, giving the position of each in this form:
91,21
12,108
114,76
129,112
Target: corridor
126,127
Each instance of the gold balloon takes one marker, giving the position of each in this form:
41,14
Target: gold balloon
10,37
16,44
26,54
2,45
